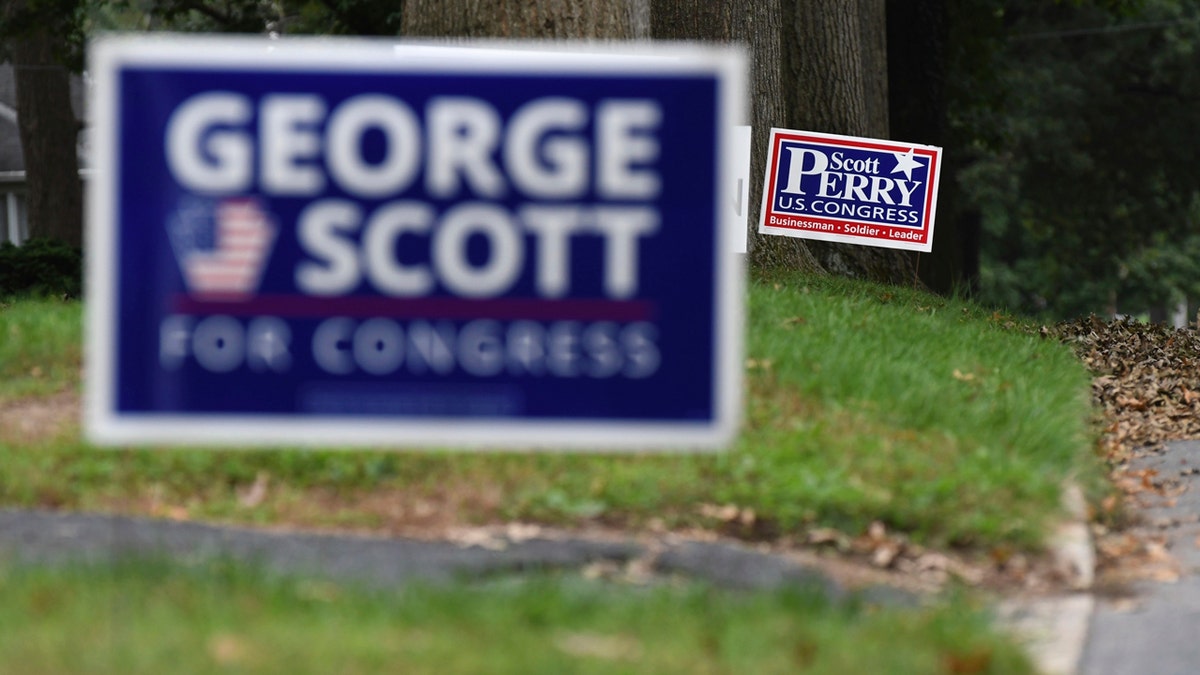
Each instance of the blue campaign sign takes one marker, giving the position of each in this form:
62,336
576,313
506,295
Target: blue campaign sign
850,190
353,242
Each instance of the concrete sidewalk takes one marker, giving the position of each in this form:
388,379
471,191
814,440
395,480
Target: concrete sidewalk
1156,631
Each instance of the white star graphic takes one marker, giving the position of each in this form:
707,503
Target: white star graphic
906,162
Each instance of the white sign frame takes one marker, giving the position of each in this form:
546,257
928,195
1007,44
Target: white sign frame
106,426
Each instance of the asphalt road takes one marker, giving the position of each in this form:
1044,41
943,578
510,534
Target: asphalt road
1157,630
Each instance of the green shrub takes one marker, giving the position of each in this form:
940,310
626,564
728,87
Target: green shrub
41,267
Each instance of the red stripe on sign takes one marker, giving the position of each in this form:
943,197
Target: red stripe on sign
789,221
302,306
222,276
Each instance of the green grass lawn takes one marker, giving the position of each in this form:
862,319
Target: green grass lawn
864,403
40,347
219,618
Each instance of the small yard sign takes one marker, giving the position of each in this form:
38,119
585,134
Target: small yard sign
739,216
353,242
850,190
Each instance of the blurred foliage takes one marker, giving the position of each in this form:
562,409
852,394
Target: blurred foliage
40,267
1073,121
65,19
295,17
1080,121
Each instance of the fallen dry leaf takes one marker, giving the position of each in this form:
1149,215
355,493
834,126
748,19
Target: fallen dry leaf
876,531
1164,575
178,513
595,645
747,517
1146,380
478,537
519,532
885,554
978,661
825,535
727,513
256,493
758,364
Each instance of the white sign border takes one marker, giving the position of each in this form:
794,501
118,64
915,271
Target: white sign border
104,426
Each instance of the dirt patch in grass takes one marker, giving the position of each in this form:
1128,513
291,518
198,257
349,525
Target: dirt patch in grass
34,420
389,511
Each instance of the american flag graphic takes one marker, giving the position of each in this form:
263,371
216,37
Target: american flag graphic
222,249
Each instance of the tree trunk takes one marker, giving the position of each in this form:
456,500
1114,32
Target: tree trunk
759,25
872,22
836,83
918,65
818,65
557,19
48,131
824,82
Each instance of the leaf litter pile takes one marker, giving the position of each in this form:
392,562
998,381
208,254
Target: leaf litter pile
1146,383
1146,391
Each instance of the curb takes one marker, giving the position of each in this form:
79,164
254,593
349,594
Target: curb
1055,629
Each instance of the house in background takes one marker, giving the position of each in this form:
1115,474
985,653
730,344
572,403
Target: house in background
14,222
14,227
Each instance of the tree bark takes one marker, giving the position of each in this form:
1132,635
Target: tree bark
872,15
49,131
823,68
556,19
818,65
759,25
918,64
836,83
